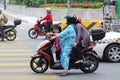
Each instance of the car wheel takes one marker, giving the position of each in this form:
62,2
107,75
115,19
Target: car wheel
112,53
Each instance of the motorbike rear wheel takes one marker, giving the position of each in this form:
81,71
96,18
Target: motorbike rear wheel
10,35
33,34
93,64
39,64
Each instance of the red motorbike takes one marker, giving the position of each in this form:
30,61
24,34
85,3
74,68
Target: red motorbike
37,30
44,58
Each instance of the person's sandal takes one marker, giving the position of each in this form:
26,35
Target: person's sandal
57,64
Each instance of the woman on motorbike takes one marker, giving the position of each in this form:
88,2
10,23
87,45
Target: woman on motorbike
48,19
82,40
67,38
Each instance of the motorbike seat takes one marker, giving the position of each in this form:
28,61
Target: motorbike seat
91,45
8,26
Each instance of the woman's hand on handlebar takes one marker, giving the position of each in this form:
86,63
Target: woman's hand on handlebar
74,44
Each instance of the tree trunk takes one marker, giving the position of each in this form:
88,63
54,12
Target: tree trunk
45,1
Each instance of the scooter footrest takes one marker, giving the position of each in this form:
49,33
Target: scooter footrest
56,67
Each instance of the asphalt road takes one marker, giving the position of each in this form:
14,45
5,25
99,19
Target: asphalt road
15,58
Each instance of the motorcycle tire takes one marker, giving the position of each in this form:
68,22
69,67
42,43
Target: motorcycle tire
32,33
39,64
93,64
10,35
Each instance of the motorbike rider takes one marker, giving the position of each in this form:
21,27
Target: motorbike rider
2,24
48,19
82,40
67,38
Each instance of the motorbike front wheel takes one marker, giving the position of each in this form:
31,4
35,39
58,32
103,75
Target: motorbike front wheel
39,64
10,35
33,34
92,62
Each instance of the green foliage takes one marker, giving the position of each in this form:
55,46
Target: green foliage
27,2
50,1
13,2
33,3
60,1
16,2
37,3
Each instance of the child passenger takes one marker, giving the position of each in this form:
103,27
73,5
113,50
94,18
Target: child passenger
56,30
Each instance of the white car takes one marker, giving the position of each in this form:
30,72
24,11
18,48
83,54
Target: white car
108,48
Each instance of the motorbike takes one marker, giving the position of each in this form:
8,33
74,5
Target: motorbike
9,30
43,58
37,30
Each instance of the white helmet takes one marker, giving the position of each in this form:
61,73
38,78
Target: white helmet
48,10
